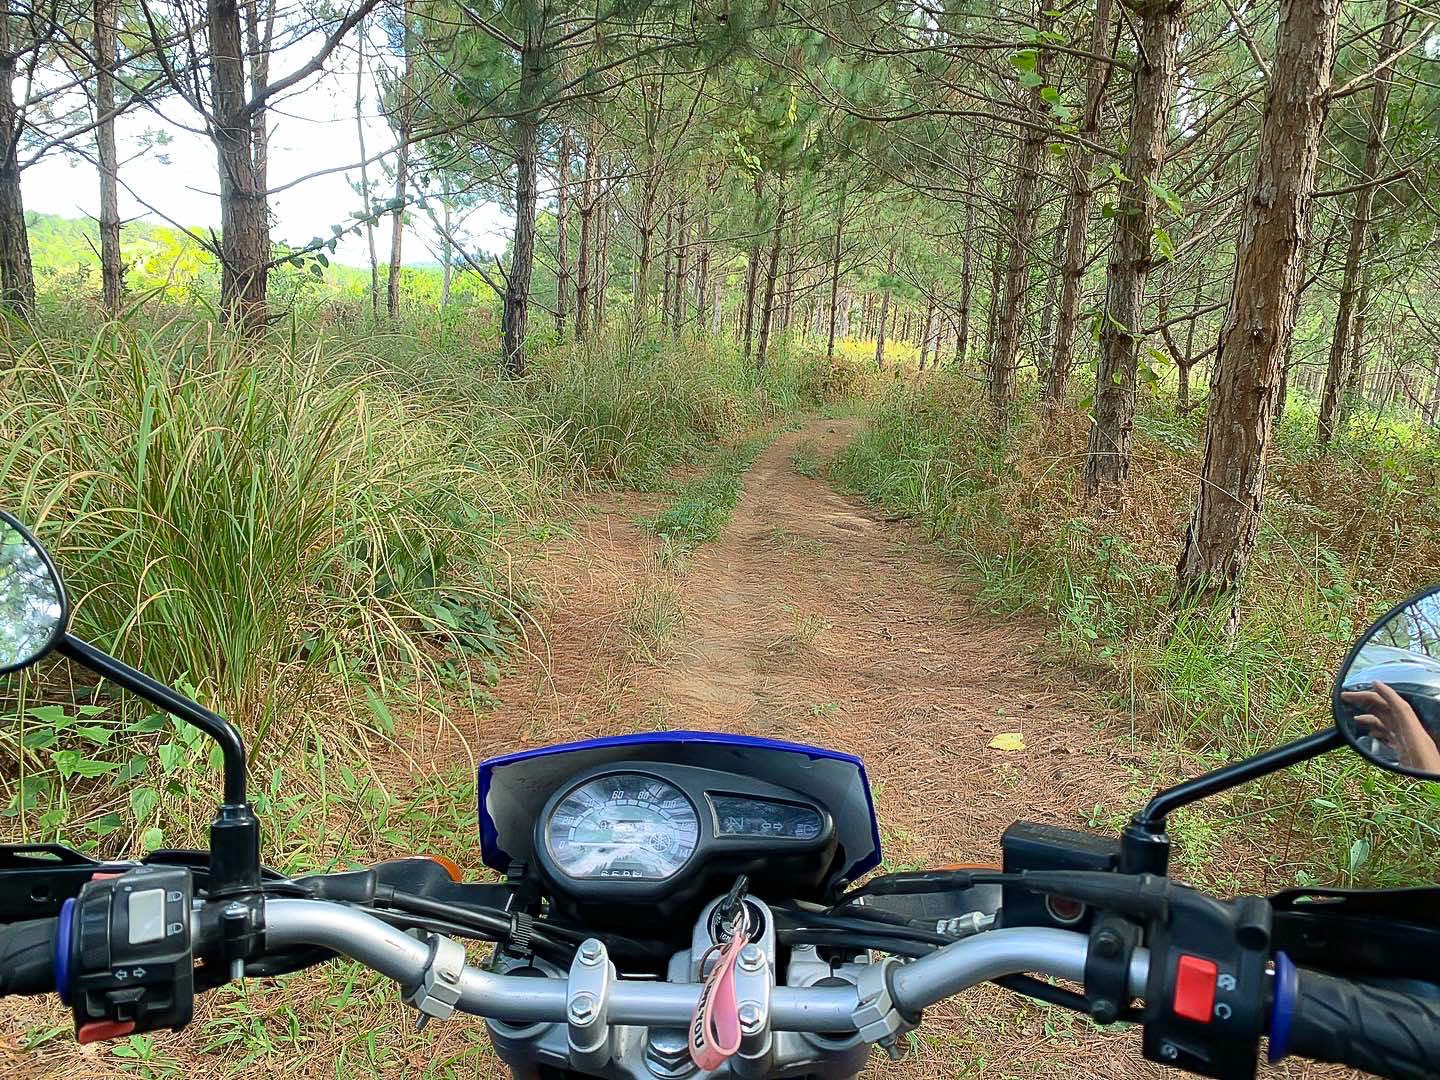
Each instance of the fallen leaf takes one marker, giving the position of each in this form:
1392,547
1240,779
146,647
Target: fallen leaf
1008,740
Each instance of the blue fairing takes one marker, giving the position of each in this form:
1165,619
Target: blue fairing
512,789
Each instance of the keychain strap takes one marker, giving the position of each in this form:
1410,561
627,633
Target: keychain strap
715,1024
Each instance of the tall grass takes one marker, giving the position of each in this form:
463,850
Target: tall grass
229,516
307,529
1337,547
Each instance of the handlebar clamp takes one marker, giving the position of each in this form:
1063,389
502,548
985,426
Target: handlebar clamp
878,1016
438,990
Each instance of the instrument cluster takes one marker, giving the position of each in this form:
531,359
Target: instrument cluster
657,828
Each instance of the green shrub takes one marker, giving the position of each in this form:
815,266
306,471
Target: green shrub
1335,549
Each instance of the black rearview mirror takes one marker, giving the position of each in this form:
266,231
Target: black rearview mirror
1387,698
33,611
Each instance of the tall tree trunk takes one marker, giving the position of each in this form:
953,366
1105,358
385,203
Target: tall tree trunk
258,43
772,274
17,278
992,313
714,276
1107,460
1005,359
1043,352
447,262
244,216
1077,210
406,105
884,311
365,194
112,264
967,259
1354,389
925,330
667,299
1432,407
602,265
787,312
583,256
562,235
752,272
1256,337
682,269
522,251
1360,230
835,271
1185,363
703,301
647,254
397,225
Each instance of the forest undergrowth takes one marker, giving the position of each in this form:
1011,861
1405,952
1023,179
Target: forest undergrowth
1344,536
317,532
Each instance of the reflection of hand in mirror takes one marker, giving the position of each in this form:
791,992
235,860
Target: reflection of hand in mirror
1390,719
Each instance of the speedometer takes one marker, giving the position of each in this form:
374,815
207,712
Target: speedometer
625,825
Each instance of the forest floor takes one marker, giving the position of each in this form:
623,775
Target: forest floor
811,618
814,619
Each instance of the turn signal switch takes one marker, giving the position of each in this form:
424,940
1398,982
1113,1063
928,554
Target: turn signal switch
124,953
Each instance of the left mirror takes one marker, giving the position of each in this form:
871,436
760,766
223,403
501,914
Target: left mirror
1387,699
32,599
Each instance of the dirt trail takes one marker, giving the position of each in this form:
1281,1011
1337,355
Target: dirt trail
814,619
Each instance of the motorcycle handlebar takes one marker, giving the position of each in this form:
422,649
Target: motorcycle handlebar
1315,1016
830,1009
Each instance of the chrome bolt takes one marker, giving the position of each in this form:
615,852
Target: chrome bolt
582,1008
751,1018
751,958
591,951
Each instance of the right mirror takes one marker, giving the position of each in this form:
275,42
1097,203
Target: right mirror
1387,698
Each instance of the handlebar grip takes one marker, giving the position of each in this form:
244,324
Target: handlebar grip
1377,1031
27,957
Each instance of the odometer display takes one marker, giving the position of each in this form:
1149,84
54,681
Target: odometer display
624,825
737,815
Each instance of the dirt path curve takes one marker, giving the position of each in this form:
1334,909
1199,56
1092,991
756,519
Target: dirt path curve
813,619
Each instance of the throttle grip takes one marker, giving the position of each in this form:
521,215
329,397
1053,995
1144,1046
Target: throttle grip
27,957
1378,1031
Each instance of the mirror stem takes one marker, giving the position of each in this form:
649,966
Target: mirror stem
172,702
1152,818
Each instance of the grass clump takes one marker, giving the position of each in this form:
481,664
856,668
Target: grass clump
806,459
652,617
703,506
630,408
1332,555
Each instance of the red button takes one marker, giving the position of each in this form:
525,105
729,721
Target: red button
1195,988
100,1030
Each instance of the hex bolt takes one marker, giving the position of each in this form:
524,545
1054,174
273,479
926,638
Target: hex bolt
893,1047
591,951
582,1008
751,958
751,1018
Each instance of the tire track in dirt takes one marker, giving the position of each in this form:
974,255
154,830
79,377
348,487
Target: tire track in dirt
812,618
